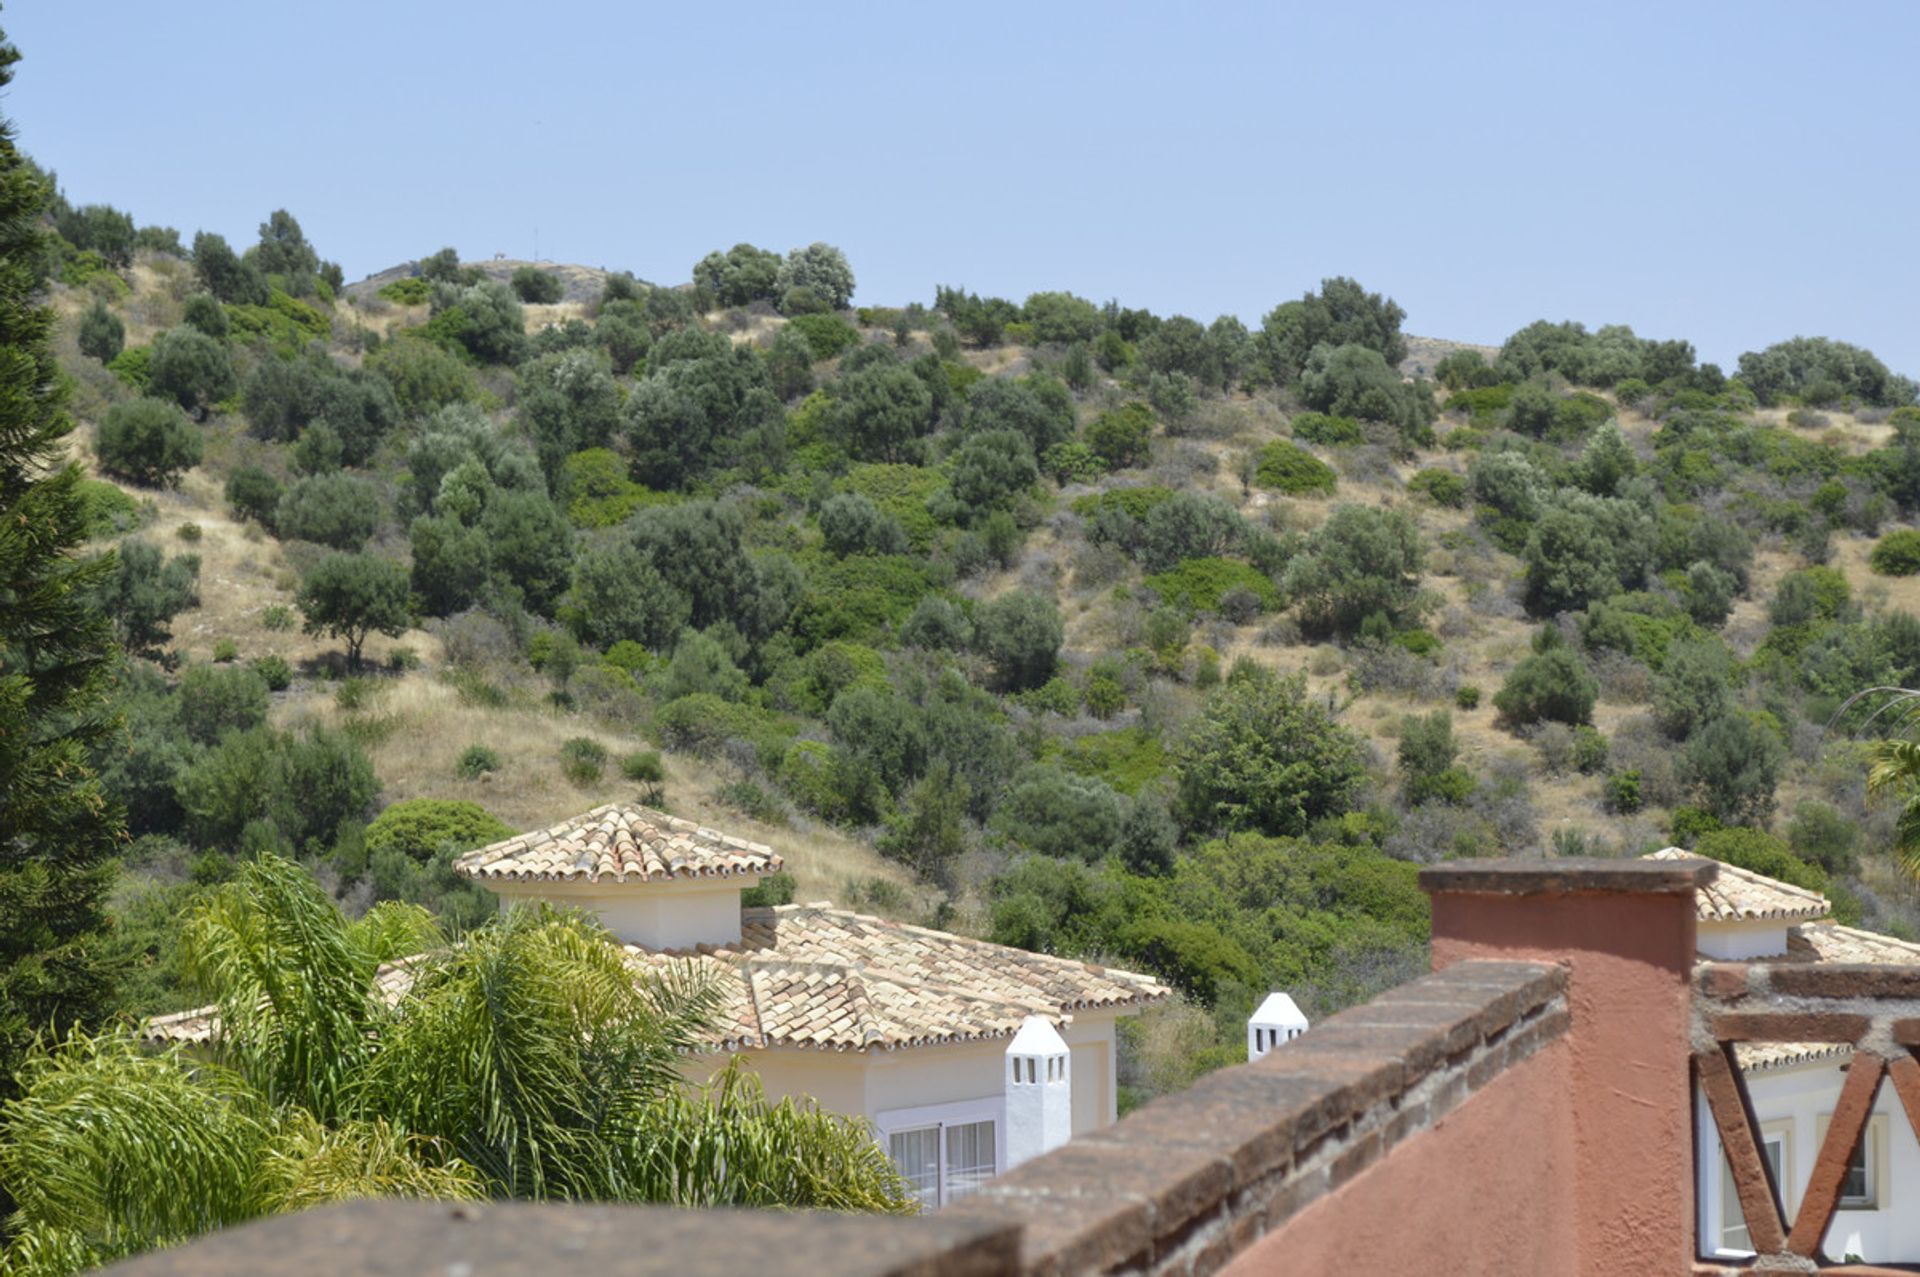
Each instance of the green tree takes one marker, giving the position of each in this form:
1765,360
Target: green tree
1053,812
1551,684
1355,381
1119,436
59,831
740,276
537,287
283,251
222,272
1361,561
1265,755
1694,686
1020,634
1039,408
204,311
820,272
149,441
190,368
101,335
1819,370
1733,762
350,596
142,596
337,510
881,410
1342,313
217,699
990,469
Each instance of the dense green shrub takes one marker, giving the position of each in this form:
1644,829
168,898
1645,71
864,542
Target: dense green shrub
1442,487
215,701
1020,634
1362,561
1355,381
583,760
1200,585
254,494
1733,763
101,334
1341,313
537,287
425,827
1328,432
149,441
827,336
1120,437
337,510
1896,554
476,761
274,671
1279,466
1552,684
190,368
412,291
142,595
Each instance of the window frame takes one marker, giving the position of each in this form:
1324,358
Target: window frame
939,1118
1873,1138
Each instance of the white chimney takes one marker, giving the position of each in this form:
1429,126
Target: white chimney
1039,1091
1278,1020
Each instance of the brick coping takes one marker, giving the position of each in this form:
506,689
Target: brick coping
1185,1182
1571,875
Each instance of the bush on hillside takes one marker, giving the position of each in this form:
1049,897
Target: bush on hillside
425,827
1280,466
537,287
1896,554
149,441
1551,685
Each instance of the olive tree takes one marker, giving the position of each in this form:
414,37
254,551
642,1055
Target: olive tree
351,596
149,441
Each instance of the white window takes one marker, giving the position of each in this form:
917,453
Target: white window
944,1151
1776,1145
1866,1176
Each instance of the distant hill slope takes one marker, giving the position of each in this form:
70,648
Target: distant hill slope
1424,352
583,283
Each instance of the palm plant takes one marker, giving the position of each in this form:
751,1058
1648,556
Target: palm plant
1893,765
529,1060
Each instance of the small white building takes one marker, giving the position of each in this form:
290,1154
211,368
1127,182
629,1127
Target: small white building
1748,917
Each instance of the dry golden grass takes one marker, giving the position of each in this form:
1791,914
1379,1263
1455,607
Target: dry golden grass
417,726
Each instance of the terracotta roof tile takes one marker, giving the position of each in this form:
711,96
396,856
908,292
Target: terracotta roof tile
814,976
620,842
825,979
1741,895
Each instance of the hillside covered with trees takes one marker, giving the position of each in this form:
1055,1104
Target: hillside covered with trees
1172,642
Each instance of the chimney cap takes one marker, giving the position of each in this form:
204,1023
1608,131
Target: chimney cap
1279,1011
1037,1036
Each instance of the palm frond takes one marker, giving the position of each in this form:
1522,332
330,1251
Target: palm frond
726,1144
307,1164
122,1149
294,980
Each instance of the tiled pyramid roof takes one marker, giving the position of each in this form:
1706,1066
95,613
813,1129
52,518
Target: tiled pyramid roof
622,843
822,978
1741,895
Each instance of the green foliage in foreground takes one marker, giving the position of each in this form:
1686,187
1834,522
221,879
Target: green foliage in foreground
526,1061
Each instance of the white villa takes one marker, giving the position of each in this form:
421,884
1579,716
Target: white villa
967,1057
1748,917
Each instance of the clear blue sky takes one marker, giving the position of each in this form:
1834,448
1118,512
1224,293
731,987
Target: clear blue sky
1730,173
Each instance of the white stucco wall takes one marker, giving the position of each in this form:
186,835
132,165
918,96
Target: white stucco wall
1739,941
1797,1100
654,915
869,1084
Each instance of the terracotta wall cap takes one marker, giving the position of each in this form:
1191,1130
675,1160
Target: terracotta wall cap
1566,876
